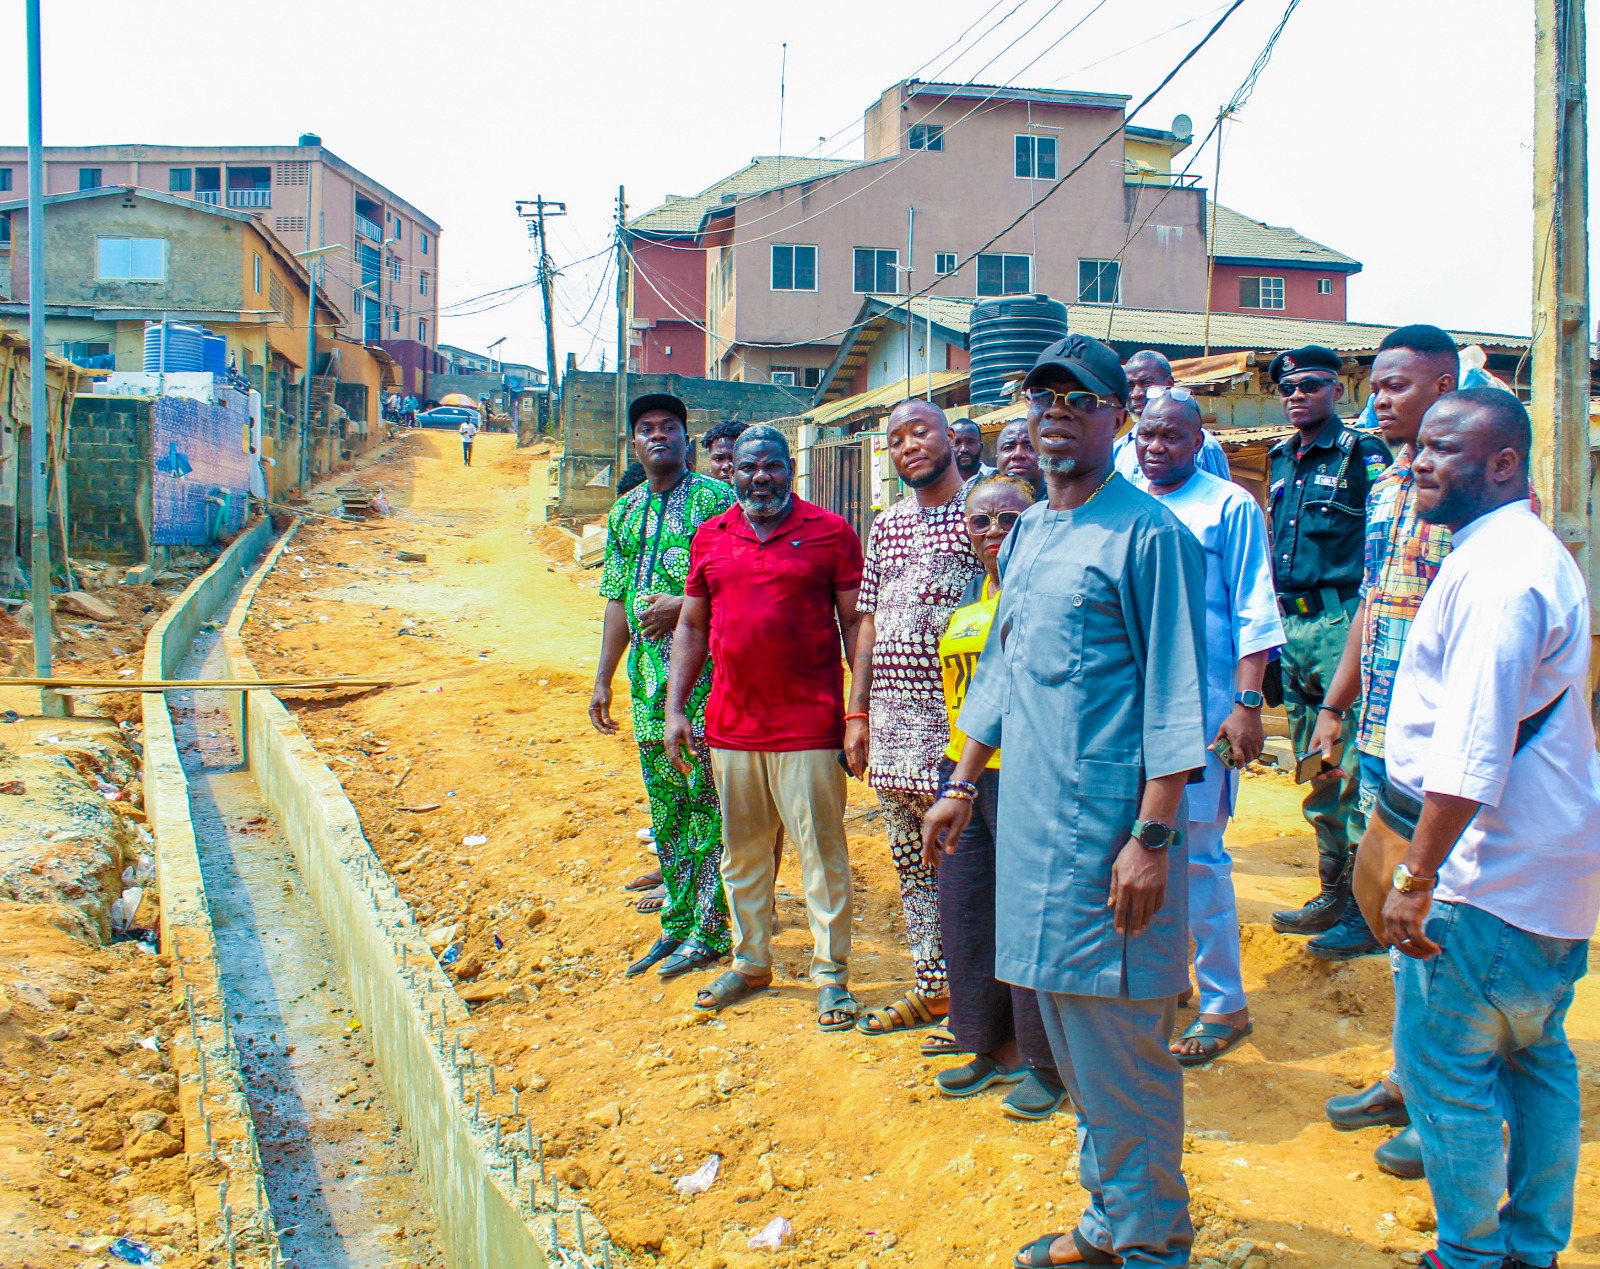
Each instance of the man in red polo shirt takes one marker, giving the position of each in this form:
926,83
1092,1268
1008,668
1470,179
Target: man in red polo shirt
771,589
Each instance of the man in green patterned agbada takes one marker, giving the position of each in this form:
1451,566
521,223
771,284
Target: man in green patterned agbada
647,561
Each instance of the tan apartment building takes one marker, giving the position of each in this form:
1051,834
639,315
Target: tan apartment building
788,248
385,282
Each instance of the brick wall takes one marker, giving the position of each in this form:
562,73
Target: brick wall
589,430
108,479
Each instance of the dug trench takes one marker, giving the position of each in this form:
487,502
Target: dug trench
509,826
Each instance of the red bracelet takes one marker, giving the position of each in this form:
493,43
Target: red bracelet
850,718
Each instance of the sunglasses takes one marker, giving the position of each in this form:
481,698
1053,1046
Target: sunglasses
1078,402
978,522
1307,386
1176,393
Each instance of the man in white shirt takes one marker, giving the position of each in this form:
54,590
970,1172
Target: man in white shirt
1242,628
1492,751
1148,373
469,433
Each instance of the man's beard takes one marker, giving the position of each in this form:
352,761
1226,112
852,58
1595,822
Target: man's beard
1461,505
765,509
1057,466
934,476
968,471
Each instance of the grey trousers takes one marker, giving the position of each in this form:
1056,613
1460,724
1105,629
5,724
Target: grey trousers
1127,1090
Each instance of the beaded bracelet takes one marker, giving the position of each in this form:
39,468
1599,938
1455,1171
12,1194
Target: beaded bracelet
850,718
961,795
961,788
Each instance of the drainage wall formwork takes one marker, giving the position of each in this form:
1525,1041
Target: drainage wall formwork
493,1210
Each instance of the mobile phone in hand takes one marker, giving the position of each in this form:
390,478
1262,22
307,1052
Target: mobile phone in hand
1223,748
1308,766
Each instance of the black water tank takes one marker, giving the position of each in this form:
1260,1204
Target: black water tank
1006,337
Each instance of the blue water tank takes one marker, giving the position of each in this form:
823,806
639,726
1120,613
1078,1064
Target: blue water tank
213,353
185,349
1006,337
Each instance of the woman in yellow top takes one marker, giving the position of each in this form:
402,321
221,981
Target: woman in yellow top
998,1023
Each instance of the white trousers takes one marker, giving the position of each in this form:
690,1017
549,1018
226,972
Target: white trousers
1214,919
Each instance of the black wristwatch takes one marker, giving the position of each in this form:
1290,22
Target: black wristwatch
1249,699
1154,835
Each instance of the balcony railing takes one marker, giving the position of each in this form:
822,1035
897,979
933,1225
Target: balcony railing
212,196
249,198
369,228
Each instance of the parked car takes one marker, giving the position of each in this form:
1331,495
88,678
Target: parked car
448,416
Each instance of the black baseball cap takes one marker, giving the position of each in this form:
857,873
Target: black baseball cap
1088,361
1311,357
657,401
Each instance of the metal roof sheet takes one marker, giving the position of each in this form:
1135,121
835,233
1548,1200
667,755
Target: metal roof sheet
682,214
1236,237
888,395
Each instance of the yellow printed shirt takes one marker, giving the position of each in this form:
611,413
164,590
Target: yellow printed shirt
959,649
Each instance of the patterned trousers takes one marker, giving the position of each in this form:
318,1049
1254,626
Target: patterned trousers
919,888
687,819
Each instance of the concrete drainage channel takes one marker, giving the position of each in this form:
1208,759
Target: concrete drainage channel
477,1156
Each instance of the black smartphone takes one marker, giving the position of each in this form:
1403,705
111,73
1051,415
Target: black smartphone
1308,766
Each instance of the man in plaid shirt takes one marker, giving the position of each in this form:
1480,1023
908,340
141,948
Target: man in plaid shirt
1415,366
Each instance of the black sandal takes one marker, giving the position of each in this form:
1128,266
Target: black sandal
728,989
1036,1255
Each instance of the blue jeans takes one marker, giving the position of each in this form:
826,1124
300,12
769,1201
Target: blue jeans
1481,1042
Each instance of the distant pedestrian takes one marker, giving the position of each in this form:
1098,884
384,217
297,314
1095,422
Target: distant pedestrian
469,433
999,1024
1317,511
1493,777
1242,629
966,443
771,591
919,560
1147,371
649,534
408,410
718,442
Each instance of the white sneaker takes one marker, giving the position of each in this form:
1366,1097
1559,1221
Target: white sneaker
646,834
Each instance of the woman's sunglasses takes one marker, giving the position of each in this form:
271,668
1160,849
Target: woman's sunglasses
978,522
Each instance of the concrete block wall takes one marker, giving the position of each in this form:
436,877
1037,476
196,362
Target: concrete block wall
108,479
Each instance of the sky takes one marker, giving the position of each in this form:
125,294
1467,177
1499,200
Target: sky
1396,131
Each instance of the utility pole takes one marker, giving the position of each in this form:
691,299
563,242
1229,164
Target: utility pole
906,272
1560,353
313,258
622,325
51,704
542,209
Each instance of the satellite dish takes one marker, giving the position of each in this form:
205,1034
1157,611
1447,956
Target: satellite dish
1183,127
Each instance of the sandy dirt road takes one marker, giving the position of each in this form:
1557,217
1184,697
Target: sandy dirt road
495,636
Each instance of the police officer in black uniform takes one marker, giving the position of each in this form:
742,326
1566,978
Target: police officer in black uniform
1317,511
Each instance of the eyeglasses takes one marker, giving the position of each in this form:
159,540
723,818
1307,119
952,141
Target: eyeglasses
1307,386
1176,393
978,522
1078,402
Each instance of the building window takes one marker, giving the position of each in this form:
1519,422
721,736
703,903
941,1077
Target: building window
812,376
180,180
424,243
422,283
1099,282
131,259
927,136
1004,275
1036,158
293,172
394,319
1261,293
5,178
876,271
371,320
256,265
1324,286
422,332
794,268
785,376
944,263
394,269
397,229
5,229
79,351
88,178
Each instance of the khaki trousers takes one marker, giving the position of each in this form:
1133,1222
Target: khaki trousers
803,793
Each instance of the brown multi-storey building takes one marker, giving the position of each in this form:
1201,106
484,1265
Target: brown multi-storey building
761,275
386,280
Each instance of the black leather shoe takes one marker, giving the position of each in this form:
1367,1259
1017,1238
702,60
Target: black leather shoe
662,948
1323,910
1367,1109
1401,1155
1348,938
689,957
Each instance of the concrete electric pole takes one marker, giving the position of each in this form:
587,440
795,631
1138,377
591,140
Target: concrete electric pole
543,209
622,328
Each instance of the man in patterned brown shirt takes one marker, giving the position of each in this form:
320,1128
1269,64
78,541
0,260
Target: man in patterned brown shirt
919,560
